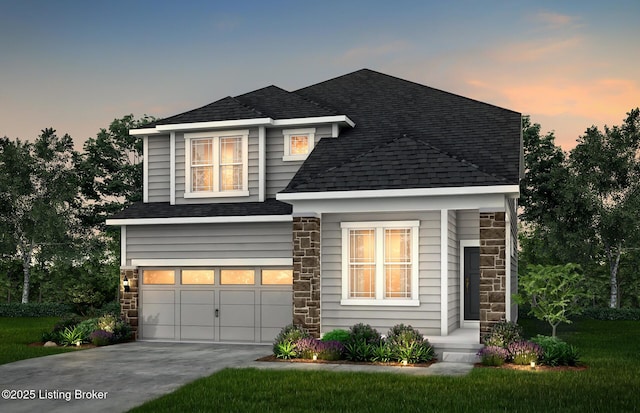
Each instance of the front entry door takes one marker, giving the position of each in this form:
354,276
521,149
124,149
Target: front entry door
471,285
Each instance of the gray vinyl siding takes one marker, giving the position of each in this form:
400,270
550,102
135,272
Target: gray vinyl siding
210,241
252,155
158,168
453,290
279,172
425,317
512,204
468,223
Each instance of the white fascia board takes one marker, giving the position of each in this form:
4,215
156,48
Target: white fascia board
145,131
216,125
493,202
510,190
201,220
315,120
219,262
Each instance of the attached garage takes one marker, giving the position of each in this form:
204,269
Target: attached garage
247,305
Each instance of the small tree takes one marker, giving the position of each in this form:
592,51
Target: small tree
553,292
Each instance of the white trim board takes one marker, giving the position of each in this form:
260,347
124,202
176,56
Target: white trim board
444,272
221,262
172,168
388,193
145,169
201,220
243,123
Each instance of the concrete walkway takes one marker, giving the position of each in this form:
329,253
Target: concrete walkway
118,378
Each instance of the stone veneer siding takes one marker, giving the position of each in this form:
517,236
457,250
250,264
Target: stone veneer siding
129,301
306,274
492,271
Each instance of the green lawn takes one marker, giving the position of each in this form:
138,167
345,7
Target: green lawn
611,349
17,332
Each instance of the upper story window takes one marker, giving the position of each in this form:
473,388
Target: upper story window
298,143
380,263
216,164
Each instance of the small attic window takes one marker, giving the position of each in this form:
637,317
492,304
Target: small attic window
298,143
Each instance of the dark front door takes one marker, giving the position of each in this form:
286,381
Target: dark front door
471,283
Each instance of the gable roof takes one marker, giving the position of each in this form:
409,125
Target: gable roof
279,104
468,135
224,109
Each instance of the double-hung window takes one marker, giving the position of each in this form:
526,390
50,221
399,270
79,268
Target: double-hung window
216,164
380,263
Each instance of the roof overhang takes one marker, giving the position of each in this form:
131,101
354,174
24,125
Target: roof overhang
511,191
342,120
200,220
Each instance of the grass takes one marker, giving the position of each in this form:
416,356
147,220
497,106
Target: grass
611,349
17,332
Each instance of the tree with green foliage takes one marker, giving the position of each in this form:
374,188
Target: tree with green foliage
39,198
553,291
607,170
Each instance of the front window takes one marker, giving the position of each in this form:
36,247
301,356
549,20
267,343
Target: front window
298,143
216,164
380,263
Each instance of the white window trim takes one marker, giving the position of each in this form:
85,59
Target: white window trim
244,135
379,227
288,133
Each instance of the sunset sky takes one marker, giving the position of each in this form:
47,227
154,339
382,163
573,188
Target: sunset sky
77,65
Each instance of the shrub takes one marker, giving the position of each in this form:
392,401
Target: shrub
34,310
359,350
503,333
86,327
556,352
71,320
406,343
606,313
121,332
324,350
112,308
337,335
493,355
285,343
364,332
71,336
524,352
107,322
101,337
381,352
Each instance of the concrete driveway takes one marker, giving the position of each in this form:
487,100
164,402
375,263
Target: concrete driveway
114,378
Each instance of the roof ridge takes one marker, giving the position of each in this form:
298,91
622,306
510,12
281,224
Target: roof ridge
247,106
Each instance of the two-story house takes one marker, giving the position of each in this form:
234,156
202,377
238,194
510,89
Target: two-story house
364,198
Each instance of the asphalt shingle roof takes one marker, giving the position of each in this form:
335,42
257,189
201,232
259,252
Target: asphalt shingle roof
228,209
279,104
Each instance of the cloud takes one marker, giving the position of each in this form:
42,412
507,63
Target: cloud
537,50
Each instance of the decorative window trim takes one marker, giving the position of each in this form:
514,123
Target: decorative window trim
215,136
379,227
288,134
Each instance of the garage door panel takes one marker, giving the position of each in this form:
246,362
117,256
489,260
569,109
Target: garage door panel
196,333
159,296
237,333
156,314
237,315
276,316
196,315
165,332
196,297
236,297
269,334
276,297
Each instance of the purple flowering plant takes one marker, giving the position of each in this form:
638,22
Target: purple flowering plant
524,352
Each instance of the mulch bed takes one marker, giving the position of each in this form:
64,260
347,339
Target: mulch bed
511,366
80,347
272,358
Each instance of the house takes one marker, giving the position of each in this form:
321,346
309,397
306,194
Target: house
364,198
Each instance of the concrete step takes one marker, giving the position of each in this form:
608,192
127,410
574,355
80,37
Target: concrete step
459,357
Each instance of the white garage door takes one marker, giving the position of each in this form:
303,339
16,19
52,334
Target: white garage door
233,305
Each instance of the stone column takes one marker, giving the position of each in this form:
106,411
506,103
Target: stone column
492,271
129,300
306,274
